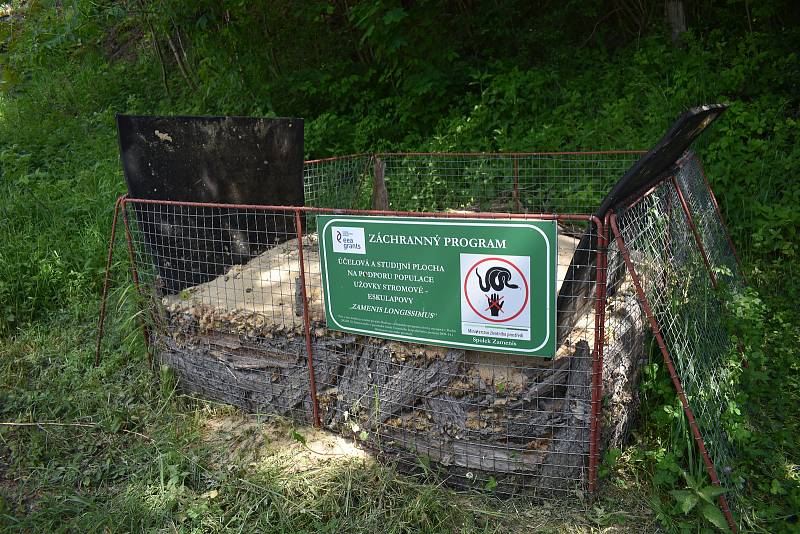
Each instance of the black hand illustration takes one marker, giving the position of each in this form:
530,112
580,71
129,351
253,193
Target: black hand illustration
495,304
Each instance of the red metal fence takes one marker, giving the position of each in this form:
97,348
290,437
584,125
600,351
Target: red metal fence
233,302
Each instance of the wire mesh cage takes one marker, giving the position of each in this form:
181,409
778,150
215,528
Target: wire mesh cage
676,245
234,303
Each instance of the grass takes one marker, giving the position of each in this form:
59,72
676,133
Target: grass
117,449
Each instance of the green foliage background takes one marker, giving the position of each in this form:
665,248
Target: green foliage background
398,75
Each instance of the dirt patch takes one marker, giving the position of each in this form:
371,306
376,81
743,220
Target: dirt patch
122,44
249,440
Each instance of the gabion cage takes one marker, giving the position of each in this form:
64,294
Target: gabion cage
232,301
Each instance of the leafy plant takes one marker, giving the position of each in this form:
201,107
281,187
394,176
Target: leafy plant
701,499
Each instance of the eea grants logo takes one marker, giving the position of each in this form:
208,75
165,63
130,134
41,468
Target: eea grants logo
348,240
495,296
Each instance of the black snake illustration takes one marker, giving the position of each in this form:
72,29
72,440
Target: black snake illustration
497,278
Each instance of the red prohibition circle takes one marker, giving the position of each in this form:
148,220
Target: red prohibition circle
466,294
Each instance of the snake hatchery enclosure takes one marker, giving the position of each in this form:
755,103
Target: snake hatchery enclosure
478,318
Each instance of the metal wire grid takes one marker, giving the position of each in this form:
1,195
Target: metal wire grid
570,183
689,313
625,353
232,328
501,183
220,289
340,182
515,183
706,215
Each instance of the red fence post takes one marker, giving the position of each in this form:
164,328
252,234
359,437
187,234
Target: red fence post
104,298
135,276
380,195
516,184
597,355
312,382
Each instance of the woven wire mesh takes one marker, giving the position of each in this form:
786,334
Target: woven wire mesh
624,353
226,301
341,182
706,215
447,426
688,309
474,419
220,292
515,183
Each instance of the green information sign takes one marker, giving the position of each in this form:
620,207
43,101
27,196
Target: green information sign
468,283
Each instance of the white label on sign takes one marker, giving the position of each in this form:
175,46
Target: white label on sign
349,240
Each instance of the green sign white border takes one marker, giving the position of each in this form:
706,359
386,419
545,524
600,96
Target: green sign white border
434,221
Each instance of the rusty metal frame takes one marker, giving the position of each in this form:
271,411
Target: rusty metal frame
504,154
712,472
606,230
601,265
388,213
516,184
135,275
106,280
312,381
120,205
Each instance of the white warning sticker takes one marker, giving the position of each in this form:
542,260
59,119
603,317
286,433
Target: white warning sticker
496,296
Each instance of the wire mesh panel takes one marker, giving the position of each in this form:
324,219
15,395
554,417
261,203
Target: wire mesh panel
341,182
515,183
569,182
221,287
248,328
706,216
688,309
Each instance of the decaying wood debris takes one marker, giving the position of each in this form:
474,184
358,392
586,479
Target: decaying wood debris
523,421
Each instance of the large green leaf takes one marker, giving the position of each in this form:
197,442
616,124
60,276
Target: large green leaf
686,499
714,515
710,493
